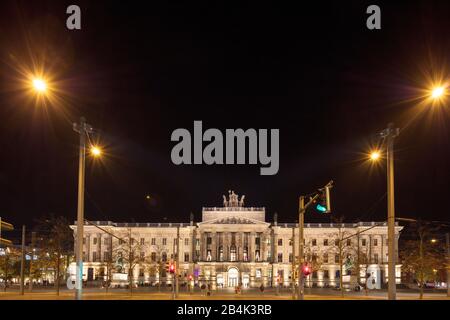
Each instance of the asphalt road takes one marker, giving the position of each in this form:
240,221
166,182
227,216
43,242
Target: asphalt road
143,294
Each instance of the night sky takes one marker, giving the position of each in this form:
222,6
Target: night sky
139,72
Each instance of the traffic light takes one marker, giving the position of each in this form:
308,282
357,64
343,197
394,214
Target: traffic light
306,270
167,267
323,203
5,226
172,268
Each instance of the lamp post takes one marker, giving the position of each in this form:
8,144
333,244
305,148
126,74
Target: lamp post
390,133
83,129
436,94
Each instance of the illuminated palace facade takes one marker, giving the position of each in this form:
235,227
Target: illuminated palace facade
232,245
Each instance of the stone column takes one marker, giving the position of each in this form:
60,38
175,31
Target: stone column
213,247
88,247
242,245
225,246
202,245
262,252
205,245
252,247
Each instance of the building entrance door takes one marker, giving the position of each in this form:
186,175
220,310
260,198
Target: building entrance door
233,277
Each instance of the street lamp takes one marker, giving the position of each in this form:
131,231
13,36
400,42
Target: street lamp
39,85
96,151
390,133
437,92
375,155
83,129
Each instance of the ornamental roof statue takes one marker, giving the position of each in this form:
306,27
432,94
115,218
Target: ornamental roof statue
233,200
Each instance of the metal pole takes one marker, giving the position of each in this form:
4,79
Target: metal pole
301,215
80,211
22,263
177,263
33,238
293,264
447,236
390,135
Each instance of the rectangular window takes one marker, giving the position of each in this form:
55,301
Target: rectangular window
326,275
164,241
325,242
186,257
349,242
336,242
257,256
375,258
336,258
280,257
280,242
314,242
106,256
94,256
363,242
153,256
153,241
106,242
208,240
257,241
142,256
186,241
325,258
290,257
142,241
375,242
94,241
209,256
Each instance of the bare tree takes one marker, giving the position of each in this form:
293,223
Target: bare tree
57,242
128,253
420,257
346,251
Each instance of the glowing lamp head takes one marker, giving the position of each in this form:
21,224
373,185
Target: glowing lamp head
39,85
437,92
375,155
96,151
